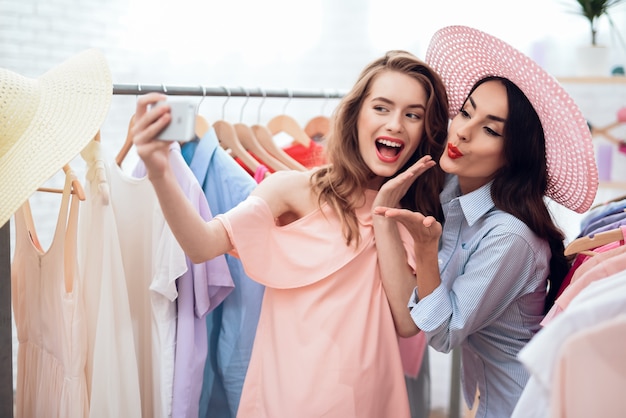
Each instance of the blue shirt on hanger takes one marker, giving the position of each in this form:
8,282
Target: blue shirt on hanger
232,325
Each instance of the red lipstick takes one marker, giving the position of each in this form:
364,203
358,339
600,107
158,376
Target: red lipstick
454,152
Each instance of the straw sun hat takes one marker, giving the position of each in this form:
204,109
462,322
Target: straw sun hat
46,122
462,56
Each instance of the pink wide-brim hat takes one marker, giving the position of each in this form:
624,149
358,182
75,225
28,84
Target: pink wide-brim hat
462,56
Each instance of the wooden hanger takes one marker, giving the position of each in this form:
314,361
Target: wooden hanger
77,188
585,244
128,143
318,127
287,124
229,140
266,139
202,126
251,143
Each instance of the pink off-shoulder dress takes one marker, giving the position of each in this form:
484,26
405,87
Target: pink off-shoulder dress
325,344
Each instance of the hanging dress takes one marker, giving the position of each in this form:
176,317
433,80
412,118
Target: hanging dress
111,370
49,317
152,261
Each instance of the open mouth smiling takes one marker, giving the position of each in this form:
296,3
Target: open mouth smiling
388,149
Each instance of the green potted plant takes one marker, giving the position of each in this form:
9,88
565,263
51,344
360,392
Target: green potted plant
593,59
593,10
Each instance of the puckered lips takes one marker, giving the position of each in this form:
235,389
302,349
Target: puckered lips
388,148
454,152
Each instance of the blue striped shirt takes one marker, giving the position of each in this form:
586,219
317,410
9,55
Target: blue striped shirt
490,302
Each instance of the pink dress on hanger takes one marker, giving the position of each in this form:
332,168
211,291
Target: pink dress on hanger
49,317
326,344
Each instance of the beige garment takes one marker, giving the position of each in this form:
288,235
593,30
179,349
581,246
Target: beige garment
49,317
111,369
152,261
590,374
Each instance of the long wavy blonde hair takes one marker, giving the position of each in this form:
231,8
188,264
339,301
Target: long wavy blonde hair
342,182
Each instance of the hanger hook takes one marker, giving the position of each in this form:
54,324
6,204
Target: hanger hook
243,106
138,91
203,96
326,100
227,99
258,116
289,95
164,88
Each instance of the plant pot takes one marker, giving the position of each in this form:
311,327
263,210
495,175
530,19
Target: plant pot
592,61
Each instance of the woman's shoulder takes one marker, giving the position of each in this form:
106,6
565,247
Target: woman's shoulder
289,178
288,191
502,223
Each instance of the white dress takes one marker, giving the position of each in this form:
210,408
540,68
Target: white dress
111,369
152,261
49,317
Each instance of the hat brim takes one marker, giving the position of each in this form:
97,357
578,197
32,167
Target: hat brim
462,56
60,112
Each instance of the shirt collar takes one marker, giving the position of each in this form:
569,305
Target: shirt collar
474,205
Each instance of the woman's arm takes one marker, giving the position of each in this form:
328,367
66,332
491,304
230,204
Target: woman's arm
200,240
397,276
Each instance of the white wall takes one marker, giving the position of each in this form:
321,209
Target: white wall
280,44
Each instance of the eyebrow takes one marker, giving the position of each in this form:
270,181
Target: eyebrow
492,117
384,99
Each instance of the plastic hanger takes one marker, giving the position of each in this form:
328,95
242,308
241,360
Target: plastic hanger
287,124
229,140
266,139
251,143
588,243
318,127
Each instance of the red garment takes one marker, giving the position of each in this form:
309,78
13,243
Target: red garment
311,156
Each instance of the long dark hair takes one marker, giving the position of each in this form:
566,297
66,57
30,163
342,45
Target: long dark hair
341,182
524,177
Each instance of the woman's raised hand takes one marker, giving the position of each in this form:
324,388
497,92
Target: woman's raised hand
148,123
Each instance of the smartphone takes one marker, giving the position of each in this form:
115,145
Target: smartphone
183,124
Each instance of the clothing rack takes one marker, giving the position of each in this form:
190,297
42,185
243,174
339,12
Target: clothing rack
135,89
6,319
454,410
6,336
